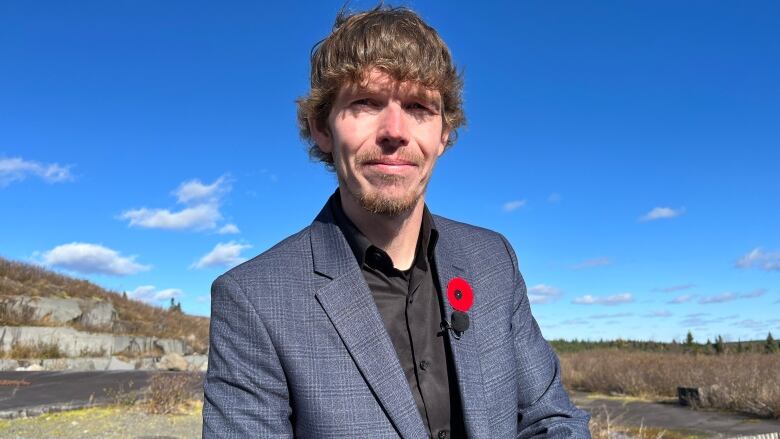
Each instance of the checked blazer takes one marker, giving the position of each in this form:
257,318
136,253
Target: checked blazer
298,347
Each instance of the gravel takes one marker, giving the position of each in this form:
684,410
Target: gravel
106,423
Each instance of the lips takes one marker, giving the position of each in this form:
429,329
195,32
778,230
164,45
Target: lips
391,162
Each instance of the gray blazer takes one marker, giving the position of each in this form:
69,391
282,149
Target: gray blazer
298,347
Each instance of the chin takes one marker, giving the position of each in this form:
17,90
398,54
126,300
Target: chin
387,205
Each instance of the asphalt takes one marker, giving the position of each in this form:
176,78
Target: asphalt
34,393
671,416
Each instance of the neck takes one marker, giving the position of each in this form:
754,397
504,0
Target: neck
396,235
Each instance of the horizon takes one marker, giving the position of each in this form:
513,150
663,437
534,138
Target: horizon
627,151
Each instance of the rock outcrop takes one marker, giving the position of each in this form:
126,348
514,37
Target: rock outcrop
73,343
97,314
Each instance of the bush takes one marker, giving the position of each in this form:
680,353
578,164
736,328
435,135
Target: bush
169,392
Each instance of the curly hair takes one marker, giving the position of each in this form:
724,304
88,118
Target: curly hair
394,40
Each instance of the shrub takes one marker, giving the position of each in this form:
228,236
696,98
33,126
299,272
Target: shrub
169,392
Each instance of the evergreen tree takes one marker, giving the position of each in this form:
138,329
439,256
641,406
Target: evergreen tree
124,295
770,347
720,347
689,339
740,349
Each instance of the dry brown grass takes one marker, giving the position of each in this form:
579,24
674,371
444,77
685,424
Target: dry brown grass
134,317
170,393
747,383
43,350
603,426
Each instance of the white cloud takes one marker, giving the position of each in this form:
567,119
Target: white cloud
755,293
757,258
604,300
674,288
150,294
540,294
590,263
201,212
226,254
229,229
194,190
610,316
729,296
92,259
663,313
200,217
17,169
681,299
509,206
662,213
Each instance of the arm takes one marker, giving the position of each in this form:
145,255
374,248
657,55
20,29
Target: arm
245,389
544,409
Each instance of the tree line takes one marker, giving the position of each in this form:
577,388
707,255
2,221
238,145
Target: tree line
689,345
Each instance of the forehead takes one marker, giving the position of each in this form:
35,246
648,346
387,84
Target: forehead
377,81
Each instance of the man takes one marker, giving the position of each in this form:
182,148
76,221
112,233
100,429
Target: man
380,319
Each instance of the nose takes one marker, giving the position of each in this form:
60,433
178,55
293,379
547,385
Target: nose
393,130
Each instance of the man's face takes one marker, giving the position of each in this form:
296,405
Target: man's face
385,137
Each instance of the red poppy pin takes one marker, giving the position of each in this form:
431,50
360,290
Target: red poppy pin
460,294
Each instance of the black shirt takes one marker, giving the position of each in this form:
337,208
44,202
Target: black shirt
409,303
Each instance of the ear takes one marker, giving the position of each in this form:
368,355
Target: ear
321,136
445,136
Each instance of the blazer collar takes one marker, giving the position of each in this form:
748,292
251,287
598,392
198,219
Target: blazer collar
348,303
450,263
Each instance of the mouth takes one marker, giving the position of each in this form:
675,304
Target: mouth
390,165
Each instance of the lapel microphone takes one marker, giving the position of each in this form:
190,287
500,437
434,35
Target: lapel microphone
461,297
458,324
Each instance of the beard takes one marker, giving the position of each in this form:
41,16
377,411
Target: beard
376,201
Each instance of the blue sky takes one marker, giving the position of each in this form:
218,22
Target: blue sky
628,150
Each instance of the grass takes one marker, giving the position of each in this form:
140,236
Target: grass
41,350
743,383
133,317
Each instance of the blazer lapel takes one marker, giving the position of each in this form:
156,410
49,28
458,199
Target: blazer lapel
347,301
465,352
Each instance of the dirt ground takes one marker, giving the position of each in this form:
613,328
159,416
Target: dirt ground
115,422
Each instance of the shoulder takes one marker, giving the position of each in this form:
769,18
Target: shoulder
471,238
290,257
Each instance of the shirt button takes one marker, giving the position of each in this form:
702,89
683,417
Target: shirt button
425,364
444,434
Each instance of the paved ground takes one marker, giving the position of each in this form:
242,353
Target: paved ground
33,393
669,415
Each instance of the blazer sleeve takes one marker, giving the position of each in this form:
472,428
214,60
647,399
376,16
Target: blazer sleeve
245,390
544,409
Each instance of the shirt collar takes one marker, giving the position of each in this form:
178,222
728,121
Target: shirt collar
360,244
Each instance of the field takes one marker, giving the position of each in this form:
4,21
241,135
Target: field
745,382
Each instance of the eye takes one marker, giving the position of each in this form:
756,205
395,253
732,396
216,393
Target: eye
420,108
365,102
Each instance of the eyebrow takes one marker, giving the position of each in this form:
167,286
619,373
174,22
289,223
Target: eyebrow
420,94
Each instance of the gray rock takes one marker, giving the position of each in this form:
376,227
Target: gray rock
31,368
6,365
197,362
97,314
172,362
43,309
115,363
73,343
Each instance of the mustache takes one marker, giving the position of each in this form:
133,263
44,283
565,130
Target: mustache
363,158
